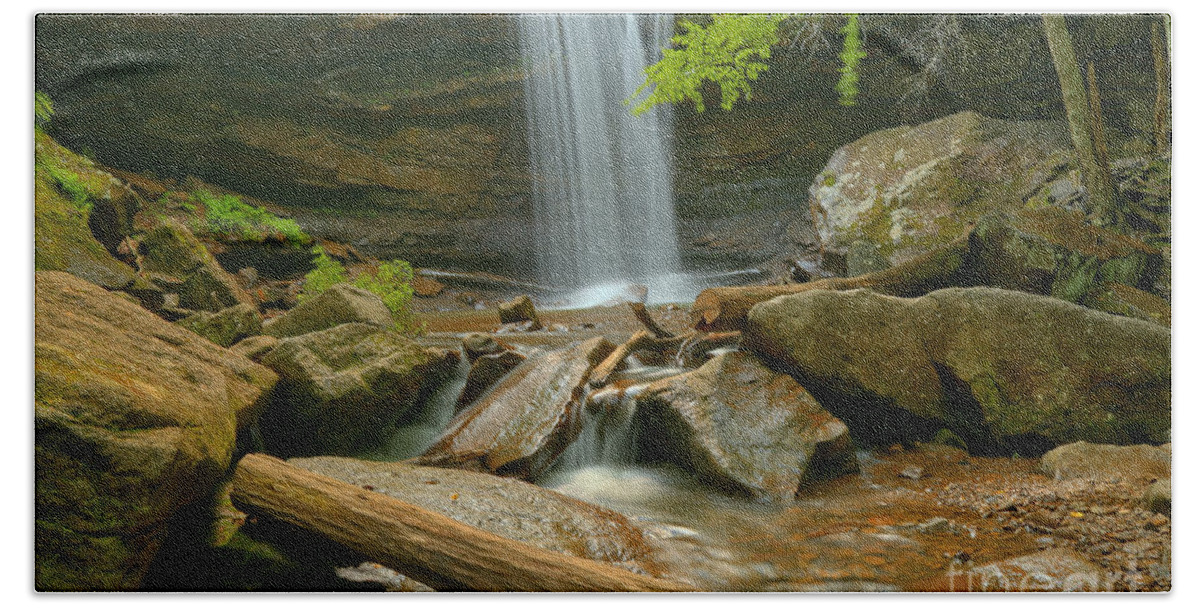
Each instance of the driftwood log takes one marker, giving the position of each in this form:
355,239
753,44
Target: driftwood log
427,546
643,317
725,308
601,373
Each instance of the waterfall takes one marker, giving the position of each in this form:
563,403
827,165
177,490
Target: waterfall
602,180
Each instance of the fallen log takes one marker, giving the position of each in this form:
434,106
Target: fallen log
725,308
432,548
601,373
692,352
643,317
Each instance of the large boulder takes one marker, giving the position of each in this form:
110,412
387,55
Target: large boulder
181,264
1006,371
526,421
743,426
341,303
485,372
908,189
341,389
507,507
134,419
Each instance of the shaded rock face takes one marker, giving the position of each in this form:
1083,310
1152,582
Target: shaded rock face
341,389
341,303
506,507
415,124
526,421
1057,252
1104,462
1006,371
746,427
134,419
908,189
178,262
62,237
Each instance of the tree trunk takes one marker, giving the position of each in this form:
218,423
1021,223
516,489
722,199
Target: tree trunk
427,546
643,317
1098,141
1075,102
725,308
602,373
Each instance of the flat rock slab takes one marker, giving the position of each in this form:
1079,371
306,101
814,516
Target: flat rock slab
737,422
507,507
526,421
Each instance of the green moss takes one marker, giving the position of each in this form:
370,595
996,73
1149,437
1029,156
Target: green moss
392,281
229,216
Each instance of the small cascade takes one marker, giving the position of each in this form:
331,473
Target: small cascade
429,418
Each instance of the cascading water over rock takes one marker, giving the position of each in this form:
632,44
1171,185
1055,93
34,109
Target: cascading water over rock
602,181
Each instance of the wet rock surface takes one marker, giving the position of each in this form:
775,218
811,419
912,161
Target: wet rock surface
507,507
341,303
1082,460
527,420
745,427
341,389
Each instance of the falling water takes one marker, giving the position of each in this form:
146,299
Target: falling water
602,182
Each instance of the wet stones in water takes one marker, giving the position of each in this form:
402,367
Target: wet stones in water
486,371
745,427
526,421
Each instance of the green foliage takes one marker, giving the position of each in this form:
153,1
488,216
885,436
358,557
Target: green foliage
70,183
393,282
329,272
729,51
851,54
227,214
43,109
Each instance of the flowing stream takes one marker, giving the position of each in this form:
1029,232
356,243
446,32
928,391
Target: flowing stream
605,214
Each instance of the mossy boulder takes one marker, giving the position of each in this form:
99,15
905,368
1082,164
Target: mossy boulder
63,241
341,303
523,424
134,418
171,249
907,190
1006,371
341,389
226,327
745,428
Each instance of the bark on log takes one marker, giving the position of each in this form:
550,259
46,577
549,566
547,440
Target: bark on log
725,308
643,317
601,373
427,546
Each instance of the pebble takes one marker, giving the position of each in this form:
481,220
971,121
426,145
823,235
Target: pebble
912,472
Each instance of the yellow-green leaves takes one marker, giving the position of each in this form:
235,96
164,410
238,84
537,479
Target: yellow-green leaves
852,53
730,52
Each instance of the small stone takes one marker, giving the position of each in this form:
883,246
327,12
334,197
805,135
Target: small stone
912,472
